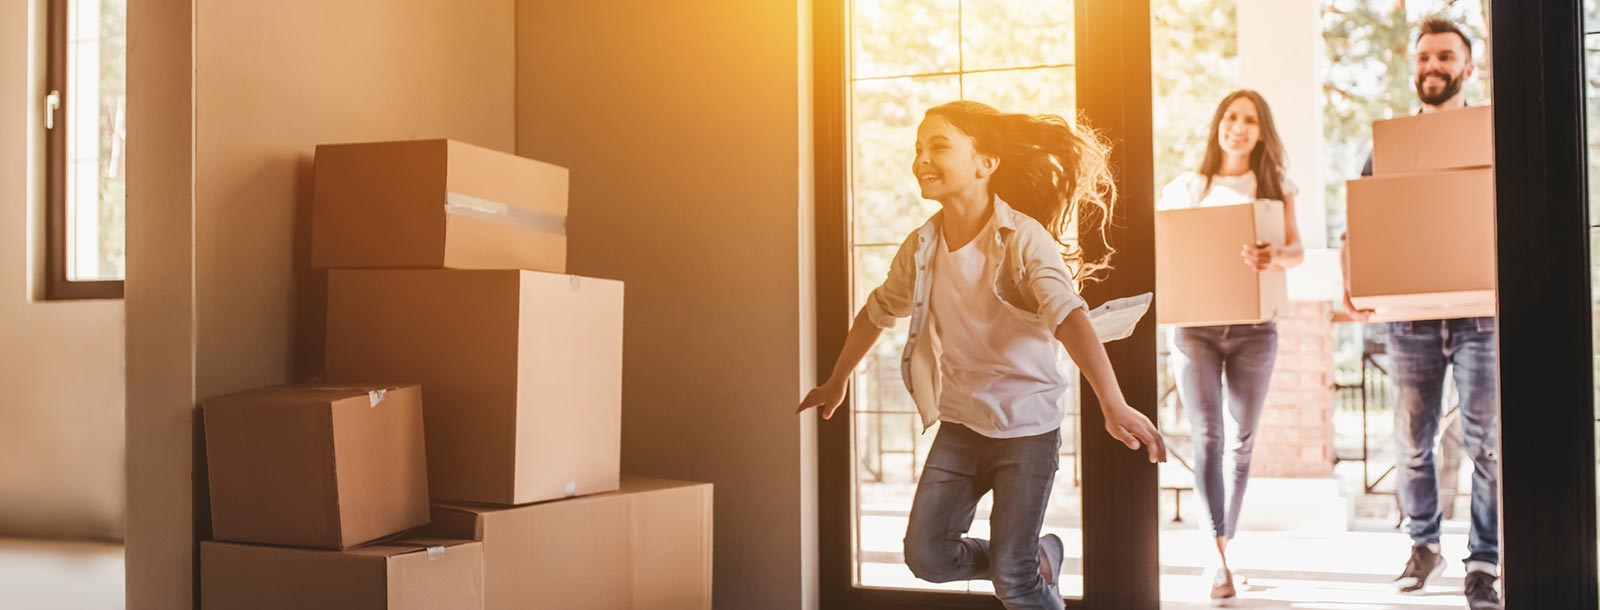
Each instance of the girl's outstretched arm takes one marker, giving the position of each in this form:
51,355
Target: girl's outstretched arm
1123,422
829,395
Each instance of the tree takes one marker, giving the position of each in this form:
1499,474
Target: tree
1369,77
1194,57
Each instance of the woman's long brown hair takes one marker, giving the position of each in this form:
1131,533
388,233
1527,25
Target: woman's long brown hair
1267,160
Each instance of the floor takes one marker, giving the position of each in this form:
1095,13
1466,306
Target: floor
51,575
1311,570
1291,570
1342,571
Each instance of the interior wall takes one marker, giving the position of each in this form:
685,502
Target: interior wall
61,415
265,83
687,130
272,81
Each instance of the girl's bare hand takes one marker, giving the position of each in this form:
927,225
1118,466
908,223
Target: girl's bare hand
828,396
1128,425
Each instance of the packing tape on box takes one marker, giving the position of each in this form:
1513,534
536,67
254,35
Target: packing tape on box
574,282
570,489
434,551
467,206
376,396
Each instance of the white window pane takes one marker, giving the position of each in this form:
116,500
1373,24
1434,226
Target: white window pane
885,114
904,37
890,446
95,121
1038,91
1016,33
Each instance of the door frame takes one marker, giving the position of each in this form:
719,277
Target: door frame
1120,504
1548,501
1547,426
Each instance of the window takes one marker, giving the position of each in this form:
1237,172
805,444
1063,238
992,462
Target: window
907,56
85,107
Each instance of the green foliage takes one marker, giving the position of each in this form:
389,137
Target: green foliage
1369,76
113,157
1194,55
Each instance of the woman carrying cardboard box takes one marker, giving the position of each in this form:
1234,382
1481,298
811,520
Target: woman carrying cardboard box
989,268
1244,162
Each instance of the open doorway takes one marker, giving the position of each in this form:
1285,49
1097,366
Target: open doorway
1320,520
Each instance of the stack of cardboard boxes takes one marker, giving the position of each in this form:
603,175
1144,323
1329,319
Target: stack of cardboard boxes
447,269
309,487
1422,226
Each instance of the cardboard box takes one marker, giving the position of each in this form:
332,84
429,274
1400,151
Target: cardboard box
646,547
1450,139
410,574
316,466
1201,279
1422,245
522,371
436,203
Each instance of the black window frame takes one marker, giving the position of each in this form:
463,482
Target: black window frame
1121,527
1548,501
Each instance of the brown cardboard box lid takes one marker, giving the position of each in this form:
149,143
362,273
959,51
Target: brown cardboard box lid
1432,141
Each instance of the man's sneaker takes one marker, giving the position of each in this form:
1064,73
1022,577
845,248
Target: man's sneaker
1223,593
1481,594
1051,551
1423,565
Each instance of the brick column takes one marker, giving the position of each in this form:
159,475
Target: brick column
1295,437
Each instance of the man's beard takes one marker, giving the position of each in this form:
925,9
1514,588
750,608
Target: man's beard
1452,86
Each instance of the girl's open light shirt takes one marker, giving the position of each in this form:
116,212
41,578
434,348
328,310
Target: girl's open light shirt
1029,277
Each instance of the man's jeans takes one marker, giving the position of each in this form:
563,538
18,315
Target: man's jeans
963,466
1419,352
1201,358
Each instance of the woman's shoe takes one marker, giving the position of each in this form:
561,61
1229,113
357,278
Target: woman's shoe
1223,593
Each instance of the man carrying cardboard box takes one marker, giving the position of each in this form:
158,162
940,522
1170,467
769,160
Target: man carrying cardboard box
1420,352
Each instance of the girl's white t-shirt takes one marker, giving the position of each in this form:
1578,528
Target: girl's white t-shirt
1000,375
1189,191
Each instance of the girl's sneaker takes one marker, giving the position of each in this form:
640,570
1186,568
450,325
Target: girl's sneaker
1223,594
1051,550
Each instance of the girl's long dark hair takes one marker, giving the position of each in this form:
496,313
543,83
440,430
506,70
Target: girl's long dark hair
1051,170
1268,158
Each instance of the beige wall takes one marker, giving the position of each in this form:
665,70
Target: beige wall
61,363
217,304
686,126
